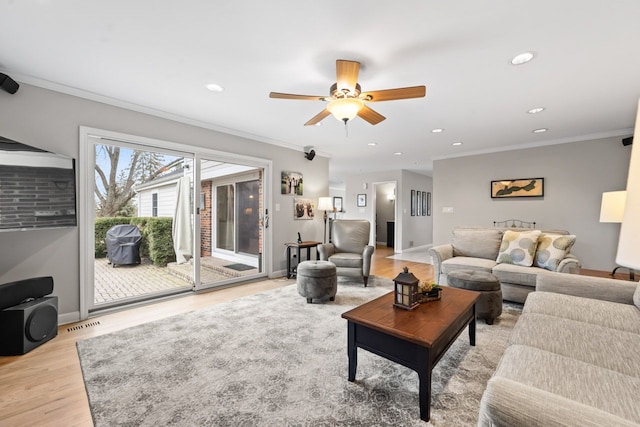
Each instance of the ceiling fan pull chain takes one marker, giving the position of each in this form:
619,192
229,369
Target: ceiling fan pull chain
346,129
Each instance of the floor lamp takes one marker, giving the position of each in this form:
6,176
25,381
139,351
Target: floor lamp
612,211
324,204
628,248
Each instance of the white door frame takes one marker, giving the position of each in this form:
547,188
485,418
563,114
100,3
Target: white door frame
86,197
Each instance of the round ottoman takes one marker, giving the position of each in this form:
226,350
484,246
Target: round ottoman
316,280
489,306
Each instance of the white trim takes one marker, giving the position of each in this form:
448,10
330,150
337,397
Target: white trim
66,318
600,135
69,90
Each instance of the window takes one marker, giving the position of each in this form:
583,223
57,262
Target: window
154,204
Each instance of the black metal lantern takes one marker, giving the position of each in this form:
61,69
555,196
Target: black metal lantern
405,290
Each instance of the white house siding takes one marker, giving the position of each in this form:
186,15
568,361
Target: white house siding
166,201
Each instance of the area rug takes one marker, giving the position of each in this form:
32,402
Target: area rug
271,359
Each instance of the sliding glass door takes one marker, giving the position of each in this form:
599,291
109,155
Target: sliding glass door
158,221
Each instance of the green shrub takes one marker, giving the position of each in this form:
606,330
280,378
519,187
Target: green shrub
102,225
158,232
157,240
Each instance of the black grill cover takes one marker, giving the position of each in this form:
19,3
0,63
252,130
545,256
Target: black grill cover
123,244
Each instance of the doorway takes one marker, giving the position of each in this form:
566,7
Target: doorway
199,215
384,214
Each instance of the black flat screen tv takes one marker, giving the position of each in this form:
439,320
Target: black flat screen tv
37,188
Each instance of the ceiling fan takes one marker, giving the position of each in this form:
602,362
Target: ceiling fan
346,99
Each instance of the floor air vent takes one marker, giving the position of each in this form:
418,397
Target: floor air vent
83,326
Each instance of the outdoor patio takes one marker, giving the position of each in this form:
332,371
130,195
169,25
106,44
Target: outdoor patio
128,281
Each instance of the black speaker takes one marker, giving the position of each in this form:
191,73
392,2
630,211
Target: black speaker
28,325
8,84
15,293
627,141
310,155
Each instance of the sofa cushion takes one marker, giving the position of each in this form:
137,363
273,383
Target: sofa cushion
624,317
346,259
636,296
467,263
509,273
596,345
552,248
562,391
476,242
518,247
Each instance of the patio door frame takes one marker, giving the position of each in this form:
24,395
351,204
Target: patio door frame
86,199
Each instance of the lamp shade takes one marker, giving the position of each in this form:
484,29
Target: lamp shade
325,204
628,245
345,109
612,207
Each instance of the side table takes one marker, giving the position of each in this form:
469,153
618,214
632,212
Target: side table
291,270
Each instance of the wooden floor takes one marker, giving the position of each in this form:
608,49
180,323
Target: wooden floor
45,387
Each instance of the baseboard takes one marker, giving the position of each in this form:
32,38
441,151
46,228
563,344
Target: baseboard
416,248
67,318
276,274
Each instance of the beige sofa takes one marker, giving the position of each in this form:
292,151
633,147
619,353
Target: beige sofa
476,248
573,358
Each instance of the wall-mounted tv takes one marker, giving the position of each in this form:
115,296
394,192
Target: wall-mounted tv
37,188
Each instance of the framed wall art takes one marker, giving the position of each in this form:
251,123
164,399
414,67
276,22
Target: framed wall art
424,203
291,183
337,204
413,202
418,203
522,187
303,208
429,203
362,200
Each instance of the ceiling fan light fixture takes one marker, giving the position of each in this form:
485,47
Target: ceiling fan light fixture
345,109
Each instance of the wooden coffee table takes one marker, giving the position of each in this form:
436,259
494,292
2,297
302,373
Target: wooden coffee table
416,339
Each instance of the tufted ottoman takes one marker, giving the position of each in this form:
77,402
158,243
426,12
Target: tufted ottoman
317,279
489,306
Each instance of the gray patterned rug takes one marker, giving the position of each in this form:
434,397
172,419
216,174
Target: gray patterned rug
271,359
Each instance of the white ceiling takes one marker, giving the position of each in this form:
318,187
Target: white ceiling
159,54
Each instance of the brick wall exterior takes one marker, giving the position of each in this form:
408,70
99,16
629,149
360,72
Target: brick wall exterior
205,219
36,197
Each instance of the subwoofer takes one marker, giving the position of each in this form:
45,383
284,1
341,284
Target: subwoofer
28,325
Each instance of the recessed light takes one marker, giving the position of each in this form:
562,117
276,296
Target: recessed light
457,143
319,124
372,144
397,153
437,130
522,58
536,110
214,87
540,130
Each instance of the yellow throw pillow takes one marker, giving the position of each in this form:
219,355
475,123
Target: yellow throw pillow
552,248
518,247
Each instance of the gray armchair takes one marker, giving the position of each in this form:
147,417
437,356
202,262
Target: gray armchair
350,250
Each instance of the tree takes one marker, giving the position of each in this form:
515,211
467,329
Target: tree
114,186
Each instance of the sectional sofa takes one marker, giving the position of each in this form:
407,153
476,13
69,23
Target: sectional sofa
514,255
573,358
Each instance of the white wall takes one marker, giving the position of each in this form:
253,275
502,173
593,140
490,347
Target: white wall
575,176
51,121
385,210
408,229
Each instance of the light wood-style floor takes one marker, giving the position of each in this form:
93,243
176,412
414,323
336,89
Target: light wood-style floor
45,387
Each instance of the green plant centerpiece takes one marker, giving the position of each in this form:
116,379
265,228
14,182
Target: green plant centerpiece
428,291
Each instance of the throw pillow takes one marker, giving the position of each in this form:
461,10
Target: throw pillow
518,247
552,248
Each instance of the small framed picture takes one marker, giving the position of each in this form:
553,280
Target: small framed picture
418,203
362,200
413,202
424,203
337,204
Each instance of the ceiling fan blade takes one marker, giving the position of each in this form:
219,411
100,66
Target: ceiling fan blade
347,74
391,94
298,97
318,117
370,115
